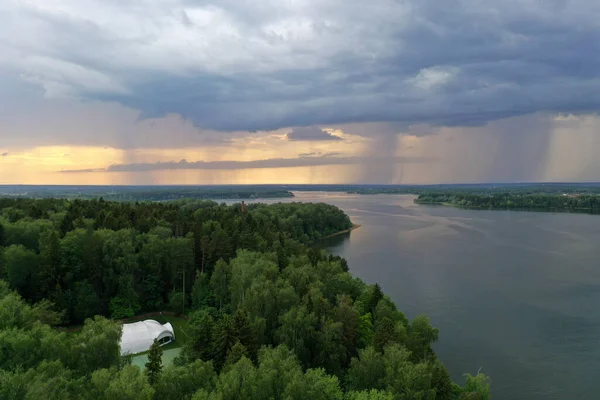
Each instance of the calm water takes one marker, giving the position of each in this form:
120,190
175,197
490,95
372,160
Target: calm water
516,294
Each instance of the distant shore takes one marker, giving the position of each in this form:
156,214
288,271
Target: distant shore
354,226
576,210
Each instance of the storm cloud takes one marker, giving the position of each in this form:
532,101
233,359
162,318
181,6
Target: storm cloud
266,64
311,161
311,133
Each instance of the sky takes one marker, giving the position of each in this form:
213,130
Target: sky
299,91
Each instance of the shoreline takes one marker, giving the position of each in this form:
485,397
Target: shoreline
354,226
582,210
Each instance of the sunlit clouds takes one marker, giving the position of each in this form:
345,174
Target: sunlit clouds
311,91
561,148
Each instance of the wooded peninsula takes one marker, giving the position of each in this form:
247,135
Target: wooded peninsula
268,315
506,200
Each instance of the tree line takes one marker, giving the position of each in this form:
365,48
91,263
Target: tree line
508,200
269,316
117,259
145,193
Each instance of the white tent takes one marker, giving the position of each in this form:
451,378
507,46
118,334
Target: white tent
139,336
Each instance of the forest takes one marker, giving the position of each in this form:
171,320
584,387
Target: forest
509,200
270,316
144,193
484,189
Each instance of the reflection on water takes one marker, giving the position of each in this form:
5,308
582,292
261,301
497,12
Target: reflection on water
515,293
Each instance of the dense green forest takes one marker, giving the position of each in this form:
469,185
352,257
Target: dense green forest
482,189
270,317
144,193
248,192
508,200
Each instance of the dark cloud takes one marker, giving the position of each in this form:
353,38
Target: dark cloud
311,133
5,154
92,123
311,161
256,65
319,154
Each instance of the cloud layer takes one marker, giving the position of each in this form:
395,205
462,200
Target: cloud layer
265,64
305,161
311,133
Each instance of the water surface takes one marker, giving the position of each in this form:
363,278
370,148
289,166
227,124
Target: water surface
514,293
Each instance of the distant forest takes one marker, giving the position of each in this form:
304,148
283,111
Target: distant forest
511,200
247,192
144,193
270,316
483,189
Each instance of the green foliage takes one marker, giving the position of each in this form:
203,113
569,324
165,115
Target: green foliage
375,296
97,345
441,382
269,318
369,395
15,313
181,382
243,332
235,354
177,302
298,331
49,380
569,200
476,388
123,307
219,282
135,255
129,383
154,364
21,267
365,331
87,303
201,326
421,336
314,384
224,336
239,382
387,332
50,265
367,371
202,296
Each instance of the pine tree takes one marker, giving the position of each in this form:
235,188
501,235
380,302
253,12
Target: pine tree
385,333
219,282
201,329
244,332
49,272
224,336
154,364
235,353
376,296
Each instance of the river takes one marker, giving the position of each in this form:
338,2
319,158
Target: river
514,293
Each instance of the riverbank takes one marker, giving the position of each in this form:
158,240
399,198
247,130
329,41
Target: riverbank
354,226
583,210
434,203
548,202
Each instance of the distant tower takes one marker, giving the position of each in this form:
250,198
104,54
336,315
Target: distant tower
243,207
